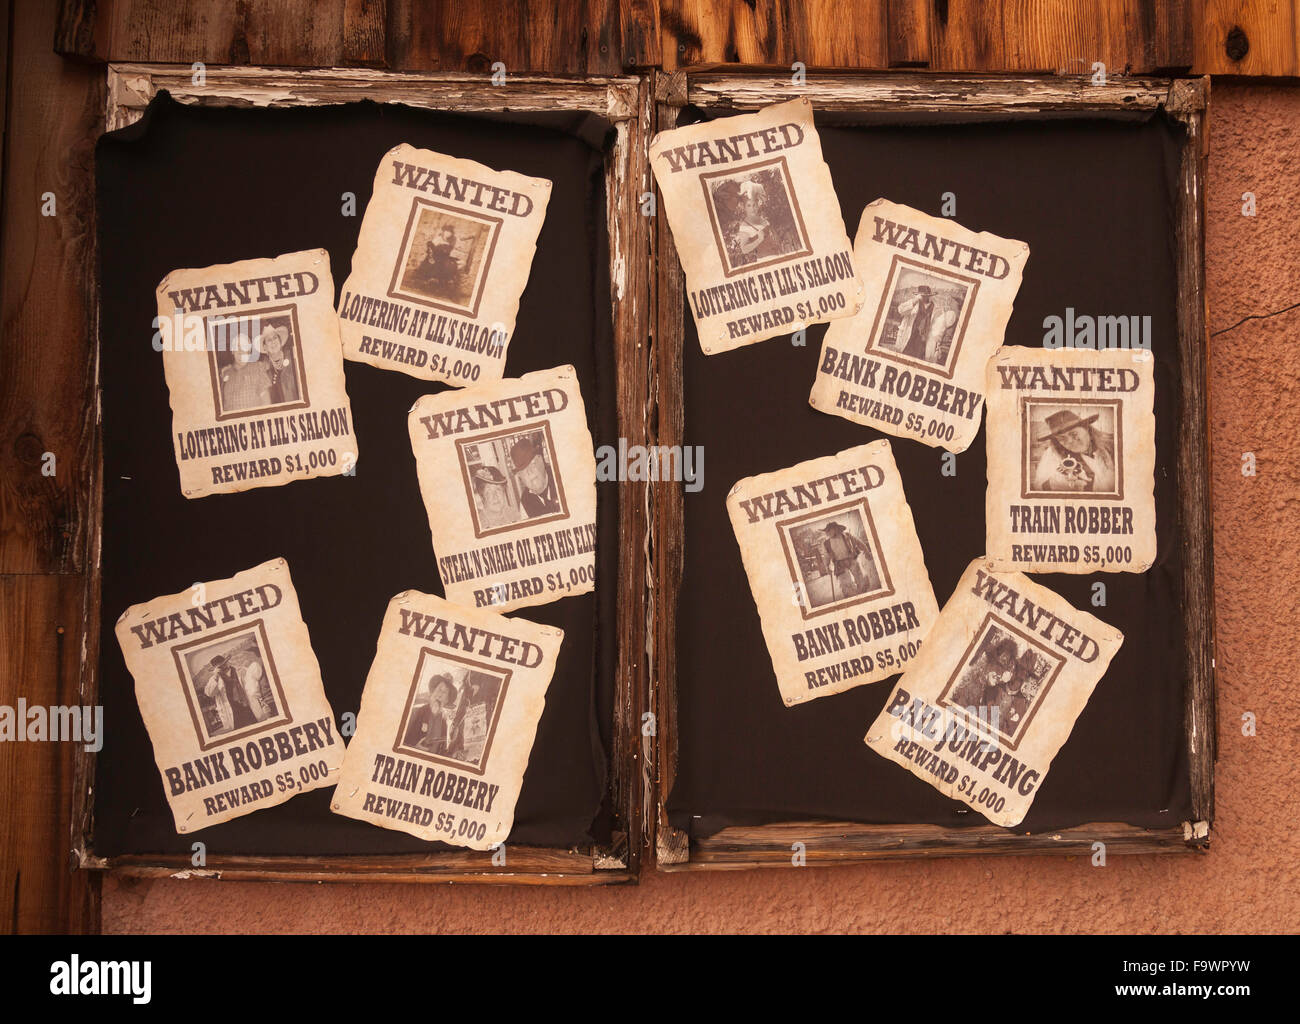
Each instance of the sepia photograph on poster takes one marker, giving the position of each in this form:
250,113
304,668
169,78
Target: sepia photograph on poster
1071,460
937,301
444,252
254,369
447,721
508,476
230,692
982,711
757,225
836,570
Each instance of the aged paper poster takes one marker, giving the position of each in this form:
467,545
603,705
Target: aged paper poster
757,225
447,721
981,713
508,476
253,365
1071,460
836,570
444,253
938,297
230,691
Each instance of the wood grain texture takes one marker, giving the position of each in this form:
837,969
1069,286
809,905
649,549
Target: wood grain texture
1069,37
1188,102
365,30
528,864
1052,36
576,37
287,32
1045,36
838,843
565,37
1172,33
639,33
907,23
47,366
957,96
1247,37
819,33
4,81
833,40
132,86
967,35
79,30
40,661
667,529
55,113
631,298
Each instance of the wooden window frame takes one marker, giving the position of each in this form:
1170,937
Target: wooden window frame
946,98
647,289
626,102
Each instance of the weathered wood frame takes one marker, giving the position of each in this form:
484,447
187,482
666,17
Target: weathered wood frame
945,98
626,102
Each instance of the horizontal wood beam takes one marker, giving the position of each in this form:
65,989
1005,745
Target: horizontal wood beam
1003,95
831,843
585,37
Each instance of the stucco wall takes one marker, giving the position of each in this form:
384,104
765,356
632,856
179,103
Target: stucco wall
1250,879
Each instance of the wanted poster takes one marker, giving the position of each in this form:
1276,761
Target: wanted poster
508,476
231,694
447,721
757,225
981,713
836,570
253,365
938,297
1071,460
444,253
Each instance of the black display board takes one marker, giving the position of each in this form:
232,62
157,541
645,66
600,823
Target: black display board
192,187
1096,201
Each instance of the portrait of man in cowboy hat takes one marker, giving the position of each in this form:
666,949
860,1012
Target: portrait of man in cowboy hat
280,361
510,479
233,682
493,505
993,665
833,558
532,472
1001,681
1075,455
234,709
429,725
451,710
256,362
472,723
923,312
843,554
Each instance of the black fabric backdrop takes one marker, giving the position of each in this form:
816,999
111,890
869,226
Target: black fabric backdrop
190,187
1095,201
